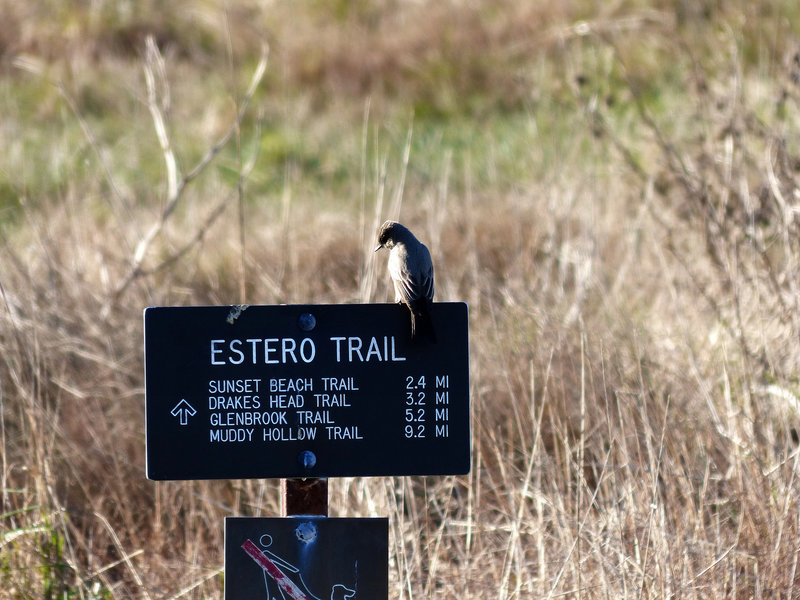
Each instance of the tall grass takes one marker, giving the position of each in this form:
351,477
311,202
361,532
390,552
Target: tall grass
616,198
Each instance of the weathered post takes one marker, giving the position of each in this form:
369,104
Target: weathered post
304,497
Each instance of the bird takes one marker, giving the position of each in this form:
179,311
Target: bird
411,270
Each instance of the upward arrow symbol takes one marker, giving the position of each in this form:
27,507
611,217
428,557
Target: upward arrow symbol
184,410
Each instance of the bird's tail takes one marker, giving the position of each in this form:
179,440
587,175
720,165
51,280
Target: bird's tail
422,323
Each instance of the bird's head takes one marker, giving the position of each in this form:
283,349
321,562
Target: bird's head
390,233
386,235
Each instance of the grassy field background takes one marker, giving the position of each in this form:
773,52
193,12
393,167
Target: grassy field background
613,187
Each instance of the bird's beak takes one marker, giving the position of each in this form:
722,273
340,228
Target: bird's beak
378,247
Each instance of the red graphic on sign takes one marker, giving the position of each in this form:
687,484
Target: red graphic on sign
287,585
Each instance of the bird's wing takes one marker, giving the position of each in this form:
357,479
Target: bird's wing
405,287
413,287
424,278
426,285
410,284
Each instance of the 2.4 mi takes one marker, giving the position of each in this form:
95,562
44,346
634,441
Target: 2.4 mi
442,381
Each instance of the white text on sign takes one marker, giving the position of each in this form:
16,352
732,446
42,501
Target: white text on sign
278,351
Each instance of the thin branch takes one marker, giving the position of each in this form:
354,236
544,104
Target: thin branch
175,185
154,61
214,150
197,238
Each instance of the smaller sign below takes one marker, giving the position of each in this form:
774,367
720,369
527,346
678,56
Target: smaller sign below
306,558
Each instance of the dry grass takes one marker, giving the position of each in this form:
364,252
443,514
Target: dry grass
635,328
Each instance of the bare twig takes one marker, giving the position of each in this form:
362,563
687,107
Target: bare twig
196,238
176,184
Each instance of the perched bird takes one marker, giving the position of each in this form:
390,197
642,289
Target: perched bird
411,270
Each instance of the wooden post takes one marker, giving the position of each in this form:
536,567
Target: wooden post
304,497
